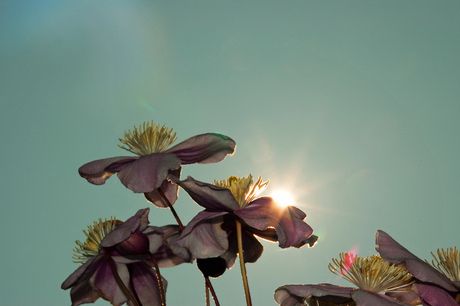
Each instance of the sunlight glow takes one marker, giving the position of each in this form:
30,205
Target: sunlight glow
282,197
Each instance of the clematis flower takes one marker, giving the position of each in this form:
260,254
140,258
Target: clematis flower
114,263
212,232
436,285
378,282
147,172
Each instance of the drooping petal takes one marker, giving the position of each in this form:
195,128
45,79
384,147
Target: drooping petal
87,268
252,248
368,298
169,189
105,283
294,295
213,198
434,296
393,252
98,171
203,149
148,172
170,253
124,231
145,284
203,236
288,222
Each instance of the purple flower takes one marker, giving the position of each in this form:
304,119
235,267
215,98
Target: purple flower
147,172
372,275
435,286
116,252
212,232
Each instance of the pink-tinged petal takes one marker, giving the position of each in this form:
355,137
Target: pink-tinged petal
367,298
96,172
393,252
294,295
434,296
203,236
105,283
169,189
145,284
288,222
124,231
148,172
213,198
203,149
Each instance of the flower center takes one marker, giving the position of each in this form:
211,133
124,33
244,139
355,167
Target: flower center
371,273
448,263
150,138
95,234
243,189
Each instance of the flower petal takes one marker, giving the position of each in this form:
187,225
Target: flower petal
213,198
434,296
294,295
148,172
368,298
169,189
203,149
171,254
85,268
203,236
145,284
96,172
288,222
393,252
252,248
104,282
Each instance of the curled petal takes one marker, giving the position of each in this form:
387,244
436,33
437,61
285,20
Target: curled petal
434,296
105,283
85,269
169,189
98,171
252,248
288,222
294,295
203,149
145,284
393,252
148,172
213,198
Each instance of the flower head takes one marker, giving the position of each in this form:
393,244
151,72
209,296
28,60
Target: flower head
146,173
212,232
115,263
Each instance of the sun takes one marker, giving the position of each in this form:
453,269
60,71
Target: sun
282,197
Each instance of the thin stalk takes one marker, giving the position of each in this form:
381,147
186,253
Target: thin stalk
208,302
213,293
120,282
243,267
160,281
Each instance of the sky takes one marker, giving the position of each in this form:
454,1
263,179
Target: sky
351,106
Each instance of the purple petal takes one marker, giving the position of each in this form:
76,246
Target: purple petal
72,279
123,231
367,298
293,295
96,172
434,296
169,189
104,282
171,254
408,297
203,236
213,198
155,236
145,284
148,172
203,149
393,252
287,221
252,249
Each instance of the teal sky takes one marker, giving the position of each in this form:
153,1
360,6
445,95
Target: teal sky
352,106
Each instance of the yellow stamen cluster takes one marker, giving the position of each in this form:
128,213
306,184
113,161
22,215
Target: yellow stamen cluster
371,273
150,138
311,301
95,234
243,189
448,263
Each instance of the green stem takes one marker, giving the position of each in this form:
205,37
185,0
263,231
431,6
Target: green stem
120,282
243,267
160,281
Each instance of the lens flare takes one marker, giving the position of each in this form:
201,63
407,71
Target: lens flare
282,198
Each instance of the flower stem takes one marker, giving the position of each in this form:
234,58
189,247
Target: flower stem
120,282
208,303
160,281
213,293
171,208
243,267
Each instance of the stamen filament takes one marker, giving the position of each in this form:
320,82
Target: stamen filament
448,263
